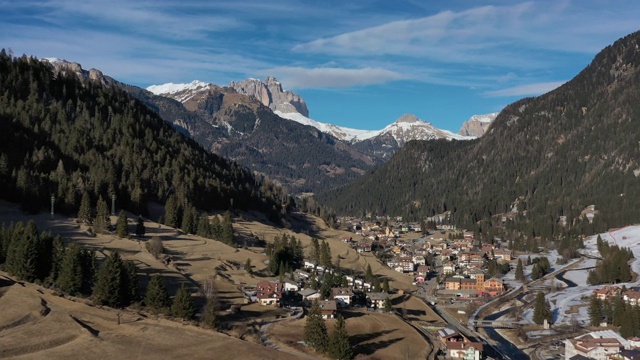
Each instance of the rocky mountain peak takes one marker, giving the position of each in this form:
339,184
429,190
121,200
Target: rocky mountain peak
270,94
61,66
477,125
408,118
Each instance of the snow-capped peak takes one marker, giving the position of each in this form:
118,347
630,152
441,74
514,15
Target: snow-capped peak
171,88
486,118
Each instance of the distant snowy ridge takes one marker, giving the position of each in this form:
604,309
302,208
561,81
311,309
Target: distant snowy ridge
342,133
406,128
171,88
180,92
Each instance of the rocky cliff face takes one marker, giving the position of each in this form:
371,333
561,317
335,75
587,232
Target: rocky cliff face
270,94
477,125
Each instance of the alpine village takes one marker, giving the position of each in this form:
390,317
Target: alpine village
203,222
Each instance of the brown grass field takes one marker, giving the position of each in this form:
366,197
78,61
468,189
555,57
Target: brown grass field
35,323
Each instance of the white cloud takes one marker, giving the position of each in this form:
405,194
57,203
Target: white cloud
526,90
326,77
510,36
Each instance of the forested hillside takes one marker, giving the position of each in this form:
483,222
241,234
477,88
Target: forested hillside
63,137
544,158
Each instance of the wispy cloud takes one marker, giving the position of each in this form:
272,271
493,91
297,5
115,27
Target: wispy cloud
526,90
298,77
511,36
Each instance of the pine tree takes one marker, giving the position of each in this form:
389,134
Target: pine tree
122,228
183,306
595,310
189,218
247,266
387,306
520,271
156,298
339,347
70,277
325,255
315,251
171,212
209,314
103,220
226,235
203,226
131,281
84,212
385,286
315,330
368,276
140,229
57,256
541,310
108,287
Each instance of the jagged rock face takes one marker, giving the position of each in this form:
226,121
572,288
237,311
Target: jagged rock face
270,94
63,67
477,125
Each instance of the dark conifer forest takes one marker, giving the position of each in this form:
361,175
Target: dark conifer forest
63,137
543,160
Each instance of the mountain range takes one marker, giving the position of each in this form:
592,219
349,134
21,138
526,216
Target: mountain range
543,161
268,129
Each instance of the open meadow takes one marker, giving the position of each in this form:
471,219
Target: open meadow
67,328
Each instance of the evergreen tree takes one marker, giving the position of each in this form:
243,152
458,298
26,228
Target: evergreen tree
171,213
541,310
376,285
183,306
156,298
103,220
595,311
339,347
57,256
122,227
315,330
226,235
520,271
84,212
26,256
203,226
325,255
247,266
71,276
315,251
209,314
189,219
89,270
368,276
131,281
385,286
108,288
325,288
387,306
140,229
313,283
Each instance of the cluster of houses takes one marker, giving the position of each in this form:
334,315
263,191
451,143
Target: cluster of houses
457,346
602,345
630,296
276,293
462,261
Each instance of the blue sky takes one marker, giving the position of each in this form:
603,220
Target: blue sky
360,64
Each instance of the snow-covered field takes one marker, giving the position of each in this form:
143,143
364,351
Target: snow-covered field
578,296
